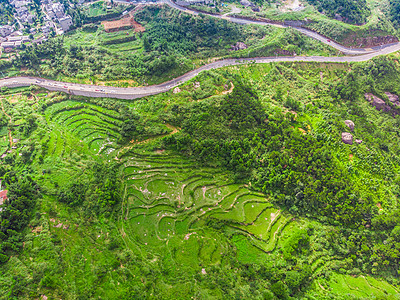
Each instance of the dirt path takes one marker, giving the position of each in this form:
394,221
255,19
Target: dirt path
9,131
230,90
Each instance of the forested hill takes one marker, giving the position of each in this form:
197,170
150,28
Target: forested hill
351,11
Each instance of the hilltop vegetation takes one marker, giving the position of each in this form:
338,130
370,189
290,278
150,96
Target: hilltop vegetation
352,11
351,23
235,186
167,49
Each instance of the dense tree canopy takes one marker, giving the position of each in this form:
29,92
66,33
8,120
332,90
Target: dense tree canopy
352,11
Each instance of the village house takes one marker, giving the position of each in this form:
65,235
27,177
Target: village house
58,10
22,11
46,29
5,30
49,10
22,38
194,2
65,23
3,197
8,46
14,42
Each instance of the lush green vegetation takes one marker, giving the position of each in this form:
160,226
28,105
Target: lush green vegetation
237,186
377,20
352,11
167,49
6,14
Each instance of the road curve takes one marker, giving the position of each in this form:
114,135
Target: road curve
134,93
139,92
307,32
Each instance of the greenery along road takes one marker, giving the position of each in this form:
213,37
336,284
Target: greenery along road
310,33
138,92
133,93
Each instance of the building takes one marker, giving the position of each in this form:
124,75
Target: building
49,10
47,28
8,46
30,18
22,11
22,39
3,198
194,2
58,10
19,4
65,23
5,30
14,42
247,3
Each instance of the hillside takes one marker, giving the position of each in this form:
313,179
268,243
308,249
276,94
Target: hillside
164,51
349,22
236,185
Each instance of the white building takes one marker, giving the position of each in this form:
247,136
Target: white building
22,39
66,23
8,46
58,10
22,11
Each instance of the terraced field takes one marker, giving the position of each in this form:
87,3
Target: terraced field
175,207
168,200
78,123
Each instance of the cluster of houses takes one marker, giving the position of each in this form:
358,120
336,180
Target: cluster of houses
55,12
22,12
56,20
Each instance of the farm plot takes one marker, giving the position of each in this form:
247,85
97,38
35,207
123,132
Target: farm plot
92,125
168,201
361,287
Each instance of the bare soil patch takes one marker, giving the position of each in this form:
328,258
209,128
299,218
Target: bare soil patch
121,24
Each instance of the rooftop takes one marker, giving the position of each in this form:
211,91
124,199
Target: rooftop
3,196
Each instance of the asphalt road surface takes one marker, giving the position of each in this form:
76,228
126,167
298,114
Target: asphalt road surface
139,92
310,33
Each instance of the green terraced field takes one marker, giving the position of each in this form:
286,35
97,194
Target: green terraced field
168,201
90,124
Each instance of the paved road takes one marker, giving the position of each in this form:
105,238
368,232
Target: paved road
310,33
134,93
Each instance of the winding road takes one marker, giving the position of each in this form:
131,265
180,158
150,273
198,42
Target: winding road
352,55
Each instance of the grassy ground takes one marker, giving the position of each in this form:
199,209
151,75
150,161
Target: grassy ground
178,221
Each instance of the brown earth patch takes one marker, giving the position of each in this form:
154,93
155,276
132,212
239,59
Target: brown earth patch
121,24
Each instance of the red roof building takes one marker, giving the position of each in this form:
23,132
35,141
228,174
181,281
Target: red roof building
3,196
